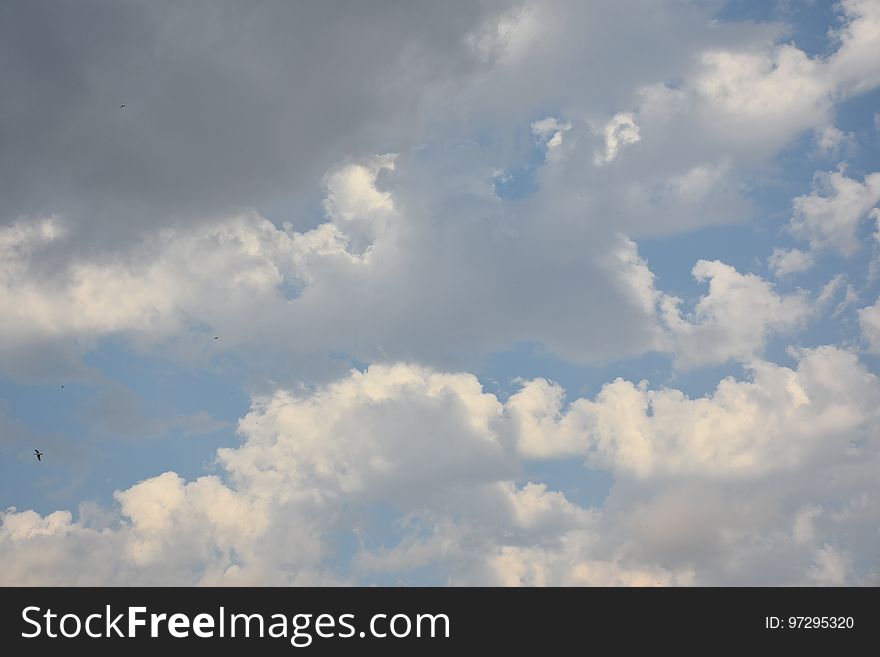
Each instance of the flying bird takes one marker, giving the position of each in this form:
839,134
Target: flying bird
215,337
121,106
38,454
62,386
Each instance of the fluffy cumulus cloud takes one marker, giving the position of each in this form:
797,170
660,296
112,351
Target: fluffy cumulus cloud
829,217
734,319
445,456
378,214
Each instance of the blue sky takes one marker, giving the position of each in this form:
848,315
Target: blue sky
517,293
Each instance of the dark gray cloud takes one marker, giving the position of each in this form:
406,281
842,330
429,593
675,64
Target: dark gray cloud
228,104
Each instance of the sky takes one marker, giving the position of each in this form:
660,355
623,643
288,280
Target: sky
495,293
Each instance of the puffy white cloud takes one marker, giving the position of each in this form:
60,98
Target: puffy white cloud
744,485
183,283
355,205
829,216
776,471
780,420
764,86
421,441
784,262
854,66
745,99
399,432
776,86
734,319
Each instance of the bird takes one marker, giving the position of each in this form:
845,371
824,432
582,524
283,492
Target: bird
215,337
38,454
62,386
121,106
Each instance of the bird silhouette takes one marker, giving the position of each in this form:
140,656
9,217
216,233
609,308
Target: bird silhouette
121,106
38,454
215,337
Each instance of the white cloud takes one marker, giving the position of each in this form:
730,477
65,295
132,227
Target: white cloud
442,453
833,142
854,66
550,131
183,283
779,421
784,262
829,216
355,205
734,319
780,87
421,441
620,131
753,85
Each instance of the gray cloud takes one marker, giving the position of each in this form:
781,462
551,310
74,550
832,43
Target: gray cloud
227,105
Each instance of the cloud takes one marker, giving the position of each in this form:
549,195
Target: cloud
734,319
355,205
869,321
378,256
853,66
445,455
218,118
318,189
180,152
320,283
778,421
784,262
833,142
620,131
388,271
829,216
